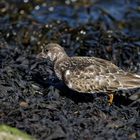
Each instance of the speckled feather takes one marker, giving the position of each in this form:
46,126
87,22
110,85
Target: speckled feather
90,74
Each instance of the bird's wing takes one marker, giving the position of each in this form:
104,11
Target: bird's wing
94,75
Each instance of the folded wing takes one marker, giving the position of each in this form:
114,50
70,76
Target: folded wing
90,74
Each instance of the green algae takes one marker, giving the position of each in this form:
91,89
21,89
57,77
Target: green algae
11,133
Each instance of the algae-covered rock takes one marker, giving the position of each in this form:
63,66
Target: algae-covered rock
11,133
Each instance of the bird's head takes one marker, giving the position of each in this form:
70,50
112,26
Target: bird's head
53,52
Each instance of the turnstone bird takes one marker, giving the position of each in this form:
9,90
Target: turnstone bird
89,74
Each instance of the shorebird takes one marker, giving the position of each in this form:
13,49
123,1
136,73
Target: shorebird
89,74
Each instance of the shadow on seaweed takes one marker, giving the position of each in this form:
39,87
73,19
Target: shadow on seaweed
86,97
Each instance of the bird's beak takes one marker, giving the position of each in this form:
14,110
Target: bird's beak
42,55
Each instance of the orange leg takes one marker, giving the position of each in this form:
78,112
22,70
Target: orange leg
111,97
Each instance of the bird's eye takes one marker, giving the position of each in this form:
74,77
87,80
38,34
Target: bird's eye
46,50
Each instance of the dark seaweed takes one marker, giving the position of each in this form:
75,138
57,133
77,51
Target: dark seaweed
34,100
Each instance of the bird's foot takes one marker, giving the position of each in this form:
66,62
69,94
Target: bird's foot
111,97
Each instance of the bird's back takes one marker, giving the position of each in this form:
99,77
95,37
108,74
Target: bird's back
91,74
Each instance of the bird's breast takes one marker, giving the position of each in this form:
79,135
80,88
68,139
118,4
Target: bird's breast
60,69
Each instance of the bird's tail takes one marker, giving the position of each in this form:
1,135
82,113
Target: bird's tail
130,81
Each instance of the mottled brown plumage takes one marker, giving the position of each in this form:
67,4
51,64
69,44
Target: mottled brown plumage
89,74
